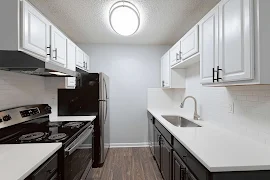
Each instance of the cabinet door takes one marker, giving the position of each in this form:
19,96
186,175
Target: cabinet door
175,54
166,156
165,70
36,31
71,63
59,46
157,146
190,43
71,55
178,168
236,40
79,58
209,45
151,132
86,62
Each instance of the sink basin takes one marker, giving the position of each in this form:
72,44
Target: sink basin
179,121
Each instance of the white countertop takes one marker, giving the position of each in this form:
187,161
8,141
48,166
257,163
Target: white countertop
217,149
73,118
17,161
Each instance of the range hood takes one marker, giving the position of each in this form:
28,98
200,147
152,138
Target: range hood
17,61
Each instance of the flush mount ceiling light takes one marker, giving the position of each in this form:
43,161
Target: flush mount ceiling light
124,18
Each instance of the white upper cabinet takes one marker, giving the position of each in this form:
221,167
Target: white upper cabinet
86,62
71,55
165,70
79,57
236,39
35,31
71,60
175,54
58,46
190,43
171,78
208,45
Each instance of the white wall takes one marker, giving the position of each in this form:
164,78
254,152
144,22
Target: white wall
251,116
132,69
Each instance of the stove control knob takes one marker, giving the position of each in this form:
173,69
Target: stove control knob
7,118
48,108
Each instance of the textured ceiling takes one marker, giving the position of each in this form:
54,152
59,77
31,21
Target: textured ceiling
163,22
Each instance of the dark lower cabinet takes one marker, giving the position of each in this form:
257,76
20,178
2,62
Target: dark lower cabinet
180,170
177,163
150,132
157,153
47,171
166,156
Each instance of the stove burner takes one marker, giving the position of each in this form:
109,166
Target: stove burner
58,136
32,136
73,125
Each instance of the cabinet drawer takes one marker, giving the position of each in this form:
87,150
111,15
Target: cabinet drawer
167,135
191,162
46,171
180,149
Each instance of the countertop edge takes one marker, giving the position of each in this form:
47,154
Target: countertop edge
31,170
212,169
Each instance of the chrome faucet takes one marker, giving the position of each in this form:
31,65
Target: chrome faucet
196,116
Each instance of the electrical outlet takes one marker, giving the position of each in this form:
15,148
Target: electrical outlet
231,108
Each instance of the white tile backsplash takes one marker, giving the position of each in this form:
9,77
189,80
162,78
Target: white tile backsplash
163,98
251,115
19,89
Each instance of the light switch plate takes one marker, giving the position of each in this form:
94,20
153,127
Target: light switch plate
231,108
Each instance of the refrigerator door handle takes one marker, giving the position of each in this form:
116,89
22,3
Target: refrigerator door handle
106,112
105,87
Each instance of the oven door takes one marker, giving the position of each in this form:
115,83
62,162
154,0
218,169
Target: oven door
78,157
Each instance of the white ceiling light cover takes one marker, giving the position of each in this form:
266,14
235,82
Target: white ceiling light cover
124,18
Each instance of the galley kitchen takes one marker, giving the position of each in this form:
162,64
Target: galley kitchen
134,90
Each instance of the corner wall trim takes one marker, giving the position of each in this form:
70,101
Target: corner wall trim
123,145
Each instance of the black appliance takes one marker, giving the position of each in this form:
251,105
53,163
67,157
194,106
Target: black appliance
91,97
30,124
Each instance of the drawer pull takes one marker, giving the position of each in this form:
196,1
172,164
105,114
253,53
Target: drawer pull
183,173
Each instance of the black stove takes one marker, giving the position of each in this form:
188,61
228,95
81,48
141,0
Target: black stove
41,130
31,124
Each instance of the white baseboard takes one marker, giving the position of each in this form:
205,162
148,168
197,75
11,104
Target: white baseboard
123,145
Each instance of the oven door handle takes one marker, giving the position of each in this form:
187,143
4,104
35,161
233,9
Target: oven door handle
77,142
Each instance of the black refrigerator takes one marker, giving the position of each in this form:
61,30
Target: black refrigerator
90,98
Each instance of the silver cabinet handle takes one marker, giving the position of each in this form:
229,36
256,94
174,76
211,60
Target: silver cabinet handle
55,54
49,53
177,56
163,83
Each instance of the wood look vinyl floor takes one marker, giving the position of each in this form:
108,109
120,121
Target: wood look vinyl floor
128,164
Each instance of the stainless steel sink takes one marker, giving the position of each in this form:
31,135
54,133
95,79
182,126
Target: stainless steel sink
179,121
